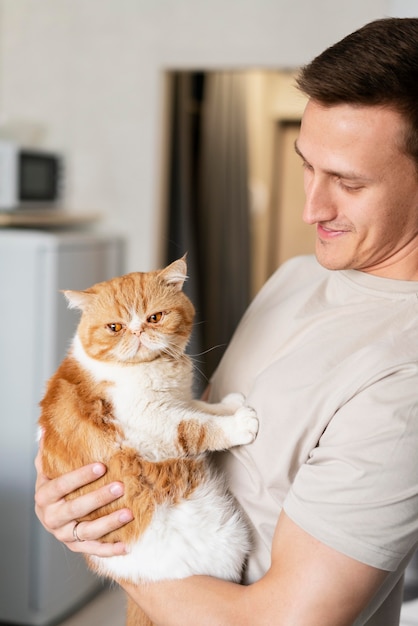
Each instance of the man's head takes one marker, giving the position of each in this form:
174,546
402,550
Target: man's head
359,146
375,65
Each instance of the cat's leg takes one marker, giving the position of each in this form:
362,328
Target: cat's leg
135,616
195,427
205,432
228,405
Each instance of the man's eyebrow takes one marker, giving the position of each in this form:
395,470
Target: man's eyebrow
298,152
349,175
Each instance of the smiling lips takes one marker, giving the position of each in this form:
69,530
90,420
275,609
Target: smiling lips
324,232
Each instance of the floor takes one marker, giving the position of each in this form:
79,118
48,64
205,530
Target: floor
108,609
409,615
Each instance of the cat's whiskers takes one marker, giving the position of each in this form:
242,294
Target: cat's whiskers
201,372
195,360
219,345
172,351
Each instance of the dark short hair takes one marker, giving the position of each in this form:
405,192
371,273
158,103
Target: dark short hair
375,65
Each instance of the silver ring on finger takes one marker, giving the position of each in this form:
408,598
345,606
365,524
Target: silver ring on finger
75,533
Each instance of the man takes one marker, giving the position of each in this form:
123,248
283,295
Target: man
328,356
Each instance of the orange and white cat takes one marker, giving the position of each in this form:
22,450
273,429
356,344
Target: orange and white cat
123,396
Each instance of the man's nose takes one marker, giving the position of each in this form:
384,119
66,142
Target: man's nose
319,201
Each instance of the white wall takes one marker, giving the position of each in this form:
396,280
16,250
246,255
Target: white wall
86,77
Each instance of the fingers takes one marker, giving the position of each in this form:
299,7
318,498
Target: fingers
89,531
50,491
95,548
55,512
59,515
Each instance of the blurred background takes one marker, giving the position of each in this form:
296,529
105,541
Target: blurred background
174,121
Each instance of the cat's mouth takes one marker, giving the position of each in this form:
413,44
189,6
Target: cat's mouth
138,350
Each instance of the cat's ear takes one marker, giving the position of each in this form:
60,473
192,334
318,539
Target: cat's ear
78,299
175,273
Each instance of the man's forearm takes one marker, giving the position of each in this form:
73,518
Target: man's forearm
196,600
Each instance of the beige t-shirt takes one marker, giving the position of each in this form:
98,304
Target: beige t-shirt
329,360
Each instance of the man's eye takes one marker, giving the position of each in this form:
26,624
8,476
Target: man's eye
348,187
115,327
155,318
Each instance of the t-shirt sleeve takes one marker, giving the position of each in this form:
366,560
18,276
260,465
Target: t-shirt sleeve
358,491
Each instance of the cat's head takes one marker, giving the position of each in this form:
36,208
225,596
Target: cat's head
136,317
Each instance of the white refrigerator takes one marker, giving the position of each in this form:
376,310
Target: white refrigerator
40,580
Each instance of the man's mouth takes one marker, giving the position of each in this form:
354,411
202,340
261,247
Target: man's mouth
328,232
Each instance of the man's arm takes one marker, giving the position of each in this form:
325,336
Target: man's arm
307,584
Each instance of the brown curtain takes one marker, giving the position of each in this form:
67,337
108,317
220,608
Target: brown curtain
209,204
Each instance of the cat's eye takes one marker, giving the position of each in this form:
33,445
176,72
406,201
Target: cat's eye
115,327
155,318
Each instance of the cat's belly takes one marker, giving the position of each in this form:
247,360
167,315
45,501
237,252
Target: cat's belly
204,534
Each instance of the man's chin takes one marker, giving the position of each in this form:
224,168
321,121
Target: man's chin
331,262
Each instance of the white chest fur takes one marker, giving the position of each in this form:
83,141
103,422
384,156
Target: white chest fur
149,399
203,534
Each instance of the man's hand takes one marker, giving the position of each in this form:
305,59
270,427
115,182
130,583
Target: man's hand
59,516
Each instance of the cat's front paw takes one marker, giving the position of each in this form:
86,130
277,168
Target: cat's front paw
246,426
234,400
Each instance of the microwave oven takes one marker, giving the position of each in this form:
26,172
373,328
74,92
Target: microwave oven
29,178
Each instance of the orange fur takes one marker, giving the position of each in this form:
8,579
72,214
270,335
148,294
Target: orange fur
77,426
77,420
127,322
